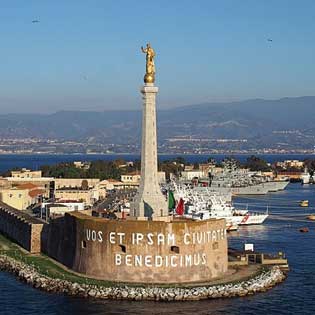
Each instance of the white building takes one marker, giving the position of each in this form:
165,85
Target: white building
189,175
26,173
134,178
61,207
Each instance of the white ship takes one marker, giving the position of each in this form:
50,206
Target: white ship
225,193
306,177
204,204
276,185
242,181
202,210
249,218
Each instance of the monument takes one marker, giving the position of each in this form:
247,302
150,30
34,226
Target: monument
149,246
149,202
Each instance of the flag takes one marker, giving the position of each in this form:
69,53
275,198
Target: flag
180,207
171,200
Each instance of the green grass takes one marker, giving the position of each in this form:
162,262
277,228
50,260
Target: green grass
44,265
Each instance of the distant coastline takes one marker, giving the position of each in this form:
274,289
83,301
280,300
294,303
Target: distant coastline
165,154
35,161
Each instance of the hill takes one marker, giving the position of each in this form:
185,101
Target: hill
286,122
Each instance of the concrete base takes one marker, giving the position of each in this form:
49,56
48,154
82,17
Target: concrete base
161,219
150,205
137,218
168,218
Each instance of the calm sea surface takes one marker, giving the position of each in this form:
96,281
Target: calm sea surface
34,161
295,296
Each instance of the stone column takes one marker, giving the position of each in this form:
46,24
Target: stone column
149,202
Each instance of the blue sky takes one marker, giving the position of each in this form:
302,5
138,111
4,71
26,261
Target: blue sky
86,54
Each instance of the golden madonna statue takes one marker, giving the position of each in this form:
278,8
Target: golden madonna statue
150,67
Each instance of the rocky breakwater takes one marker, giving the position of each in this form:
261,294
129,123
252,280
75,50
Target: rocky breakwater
260,283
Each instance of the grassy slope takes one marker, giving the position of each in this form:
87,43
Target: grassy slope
43,264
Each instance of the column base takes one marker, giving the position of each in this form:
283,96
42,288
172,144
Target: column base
150,206
168,218
130,218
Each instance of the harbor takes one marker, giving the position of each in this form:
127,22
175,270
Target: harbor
167,242
274,235
157,158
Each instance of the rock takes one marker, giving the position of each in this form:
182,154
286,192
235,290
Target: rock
92,293
30,275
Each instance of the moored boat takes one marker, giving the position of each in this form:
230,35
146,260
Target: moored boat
304,203
201,206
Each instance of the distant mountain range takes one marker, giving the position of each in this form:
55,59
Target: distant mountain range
286,122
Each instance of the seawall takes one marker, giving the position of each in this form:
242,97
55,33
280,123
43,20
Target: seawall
260,283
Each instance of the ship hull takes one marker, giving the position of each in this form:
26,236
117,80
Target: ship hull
260,189
274,186
251,219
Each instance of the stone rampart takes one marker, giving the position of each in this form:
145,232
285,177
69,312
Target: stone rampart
182,251
21,227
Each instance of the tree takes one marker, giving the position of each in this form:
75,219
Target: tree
310,165
255,163
180,160
171,166
85,185
211,160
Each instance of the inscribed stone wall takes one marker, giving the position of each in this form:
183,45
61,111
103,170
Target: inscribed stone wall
140,251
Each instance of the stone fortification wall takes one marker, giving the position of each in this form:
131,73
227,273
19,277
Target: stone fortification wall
139,251
21,227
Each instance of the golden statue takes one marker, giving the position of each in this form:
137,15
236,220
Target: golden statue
150,67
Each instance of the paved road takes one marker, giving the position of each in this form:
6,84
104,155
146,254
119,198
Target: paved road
113,200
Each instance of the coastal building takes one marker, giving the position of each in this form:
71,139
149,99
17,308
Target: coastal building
22,196
269,174
133,179
26,173
287,164
53,209
124,164
82,165
295,163
89,195
72,205
85,190
44,183
4,183
189,168
206,168
292,175
75,182
51,184
110,184
190,174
